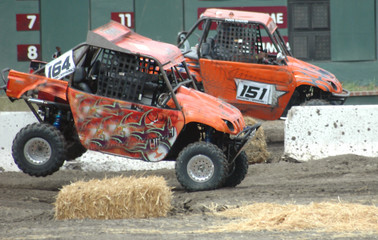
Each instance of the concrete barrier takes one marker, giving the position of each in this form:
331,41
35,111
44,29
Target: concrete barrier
321,131
12,122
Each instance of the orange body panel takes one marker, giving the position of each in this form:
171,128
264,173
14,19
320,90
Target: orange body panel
308,74
203,108
19,83
124,128
127,40
219,80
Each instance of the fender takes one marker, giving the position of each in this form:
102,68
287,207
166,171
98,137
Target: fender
48,89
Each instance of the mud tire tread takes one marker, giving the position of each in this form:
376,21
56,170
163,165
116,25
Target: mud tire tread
240,171
214,153
57,143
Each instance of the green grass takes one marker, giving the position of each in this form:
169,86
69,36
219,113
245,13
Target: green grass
371,85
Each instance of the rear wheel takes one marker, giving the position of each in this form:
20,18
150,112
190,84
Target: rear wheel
201,166
39,149
238,171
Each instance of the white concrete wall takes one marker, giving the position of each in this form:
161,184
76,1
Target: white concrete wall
12,122
321,131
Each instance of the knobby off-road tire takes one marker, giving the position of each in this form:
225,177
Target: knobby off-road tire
238,171
39,149
316,102
201,166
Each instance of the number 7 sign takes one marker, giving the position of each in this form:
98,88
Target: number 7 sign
27,22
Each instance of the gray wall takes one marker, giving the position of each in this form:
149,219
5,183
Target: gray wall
64,24
353,35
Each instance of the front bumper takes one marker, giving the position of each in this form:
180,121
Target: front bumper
340,97
240,140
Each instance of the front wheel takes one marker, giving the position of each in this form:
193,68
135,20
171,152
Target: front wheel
39,149
238,170
201,166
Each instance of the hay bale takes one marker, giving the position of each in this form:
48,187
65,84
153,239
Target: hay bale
114,198
323,216
256,149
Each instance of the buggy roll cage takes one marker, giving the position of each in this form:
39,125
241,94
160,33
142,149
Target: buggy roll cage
118,39
279,43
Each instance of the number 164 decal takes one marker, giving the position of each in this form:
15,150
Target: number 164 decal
61,66
254,91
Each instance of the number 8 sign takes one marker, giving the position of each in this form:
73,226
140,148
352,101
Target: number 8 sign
28,52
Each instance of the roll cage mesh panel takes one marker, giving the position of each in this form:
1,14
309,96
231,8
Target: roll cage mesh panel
125,76
238,42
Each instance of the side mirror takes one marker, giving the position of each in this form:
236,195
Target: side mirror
181,36
182,43
280,57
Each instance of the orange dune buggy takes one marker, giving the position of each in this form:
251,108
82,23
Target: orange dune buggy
240,57
124,94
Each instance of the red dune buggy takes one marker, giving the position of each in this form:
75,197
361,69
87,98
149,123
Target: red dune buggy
125,94
240,57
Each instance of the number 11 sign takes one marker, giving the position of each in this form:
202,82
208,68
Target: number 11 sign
125,18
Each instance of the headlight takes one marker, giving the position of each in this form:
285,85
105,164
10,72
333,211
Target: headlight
334,86
229,125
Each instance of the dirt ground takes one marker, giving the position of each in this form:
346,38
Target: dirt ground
27,211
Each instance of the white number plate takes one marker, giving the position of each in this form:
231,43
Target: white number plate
254,91
60,67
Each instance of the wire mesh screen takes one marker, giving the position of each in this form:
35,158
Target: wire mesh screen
124,76
237,42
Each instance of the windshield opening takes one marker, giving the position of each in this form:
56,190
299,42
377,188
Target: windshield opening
283,47
237,41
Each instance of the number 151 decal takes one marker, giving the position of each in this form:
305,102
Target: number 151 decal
254,91
61,66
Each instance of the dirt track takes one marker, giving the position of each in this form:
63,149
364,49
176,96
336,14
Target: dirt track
26,210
